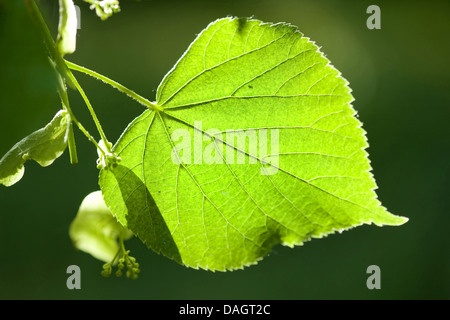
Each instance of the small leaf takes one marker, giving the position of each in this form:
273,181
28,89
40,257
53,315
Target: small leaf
192,184
95,230
43,146
67,28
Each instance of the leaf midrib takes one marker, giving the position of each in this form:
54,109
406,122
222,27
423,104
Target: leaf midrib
261,161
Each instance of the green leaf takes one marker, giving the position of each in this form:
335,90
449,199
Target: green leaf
43,146
67,28
95,231
194,189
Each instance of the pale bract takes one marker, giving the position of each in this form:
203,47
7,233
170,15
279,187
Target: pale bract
67,28
43,146
94,229
223,213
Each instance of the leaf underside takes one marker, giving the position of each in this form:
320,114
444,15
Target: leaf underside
250,78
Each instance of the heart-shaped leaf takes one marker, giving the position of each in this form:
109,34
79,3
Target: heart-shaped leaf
253,142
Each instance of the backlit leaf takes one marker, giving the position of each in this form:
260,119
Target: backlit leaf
253,143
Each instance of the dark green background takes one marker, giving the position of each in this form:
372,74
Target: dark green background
400,79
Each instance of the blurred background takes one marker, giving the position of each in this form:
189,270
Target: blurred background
400,77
